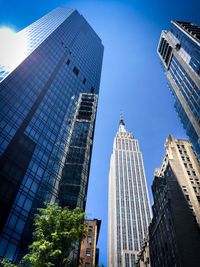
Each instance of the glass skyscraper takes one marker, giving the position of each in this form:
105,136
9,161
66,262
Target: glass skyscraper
179,51
48,100
129,208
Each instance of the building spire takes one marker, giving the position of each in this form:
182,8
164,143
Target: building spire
121,123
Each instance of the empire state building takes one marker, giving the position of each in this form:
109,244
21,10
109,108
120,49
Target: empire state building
129,209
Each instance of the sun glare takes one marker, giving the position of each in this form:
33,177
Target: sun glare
6,32
12,47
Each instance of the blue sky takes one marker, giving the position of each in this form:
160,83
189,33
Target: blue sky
132,80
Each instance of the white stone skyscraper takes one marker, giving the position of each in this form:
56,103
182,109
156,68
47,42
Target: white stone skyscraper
129,208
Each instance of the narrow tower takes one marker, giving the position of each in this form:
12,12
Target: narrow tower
129,209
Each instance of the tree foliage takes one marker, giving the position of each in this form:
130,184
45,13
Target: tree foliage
6,263
56,234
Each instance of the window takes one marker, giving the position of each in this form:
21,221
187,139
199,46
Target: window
89,239
76,71
187,197
84,81
90,228
127,263
87,252
68,62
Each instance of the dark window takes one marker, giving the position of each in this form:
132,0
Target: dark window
92,89
161,45
84,81
168,54
90,228
76,71
68,62
187,197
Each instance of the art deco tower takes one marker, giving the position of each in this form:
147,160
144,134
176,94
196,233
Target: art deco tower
129,209
179,51
48,98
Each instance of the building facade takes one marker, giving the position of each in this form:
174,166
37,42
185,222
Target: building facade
48,99
129,210
143,259
174,234
89,253
74,182
179,51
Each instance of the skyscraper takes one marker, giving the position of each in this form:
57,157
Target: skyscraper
129,210
48,98
174,237
179,51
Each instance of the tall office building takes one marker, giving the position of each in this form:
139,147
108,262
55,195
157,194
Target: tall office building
174,236
129,210
48,98
179,51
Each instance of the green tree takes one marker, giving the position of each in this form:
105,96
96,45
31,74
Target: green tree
57,233
6,263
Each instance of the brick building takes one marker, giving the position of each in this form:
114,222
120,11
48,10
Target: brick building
89,253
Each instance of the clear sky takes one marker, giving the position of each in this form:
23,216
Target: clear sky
132,80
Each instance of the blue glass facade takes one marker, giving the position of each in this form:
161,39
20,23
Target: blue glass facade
40,96
191,47
179,50
74,183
